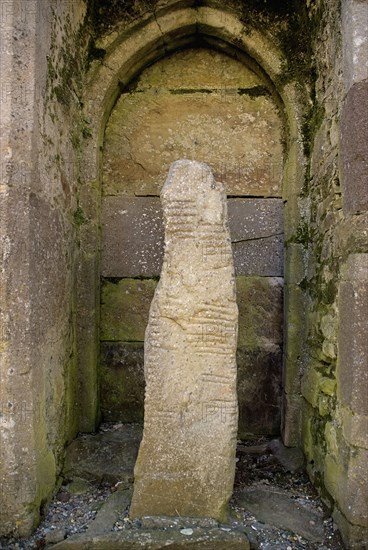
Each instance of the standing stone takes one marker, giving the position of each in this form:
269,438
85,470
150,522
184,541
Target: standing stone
186,461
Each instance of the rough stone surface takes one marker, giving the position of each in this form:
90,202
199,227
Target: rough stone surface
282,511
256,227
251,219
106,456
346,471
38,253
291,458
355,41
259,382
354,149
122,381
190,365
260,303
200,539
124,309
110,511
354,536
194,103
259,386
132,236
259,391
354,428
352,365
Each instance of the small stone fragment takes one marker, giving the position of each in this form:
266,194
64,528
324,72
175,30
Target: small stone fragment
186,531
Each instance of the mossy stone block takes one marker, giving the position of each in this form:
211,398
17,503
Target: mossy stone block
124,309
259,391
310,384
260,302
122,382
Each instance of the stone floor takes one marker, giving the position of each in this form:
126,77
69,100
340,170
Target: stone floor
274,506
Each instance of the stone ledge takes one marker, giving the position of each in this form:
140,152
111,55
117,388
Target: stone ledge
154,539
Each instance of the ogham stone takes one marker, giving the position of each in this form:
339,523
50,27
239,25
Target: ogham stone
186,461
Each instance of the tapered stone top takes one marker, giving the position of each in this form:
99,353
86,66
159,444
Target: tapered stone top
186,461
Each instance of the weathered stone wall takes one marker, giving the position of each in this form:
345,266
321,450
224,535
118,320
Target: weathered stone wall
204,105
333,248
42,66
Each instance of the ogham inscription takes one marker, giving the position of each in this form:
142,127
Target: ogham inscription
186,461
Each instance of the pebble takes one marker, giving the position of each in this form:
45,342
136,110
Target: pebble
55,536
187,531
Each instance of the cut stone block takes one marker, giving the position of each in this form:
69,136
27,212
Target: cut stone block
108,456
259,385
281,511
186,461
202,115
355,41
133,236
141,539
256,227
352,365
122,381
260,302
259,391
124,309
354,149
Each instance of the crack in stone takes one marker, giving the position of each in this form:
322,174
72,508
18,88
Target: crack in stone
257,238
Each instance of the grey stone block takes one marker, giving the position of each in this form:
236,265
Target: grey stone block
355,41
122,381
132,236
352,366
256,227
282,511
255,218
259,391
155,539
259,386
354,149
264,257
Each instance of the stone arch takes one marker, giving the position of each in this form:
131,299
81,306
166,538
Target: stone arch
142,43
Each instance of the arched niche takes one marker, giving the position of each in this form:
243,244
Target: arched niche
142,44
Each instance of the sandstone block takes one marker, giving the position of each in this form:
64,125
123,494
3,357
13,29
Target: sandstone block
259,391
132,237
352,365
124,309
354,428
354,149
295,263
156,539
256,227
292,406
122,381
186,461
345,478
355,41
355,537
202,115
260,303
